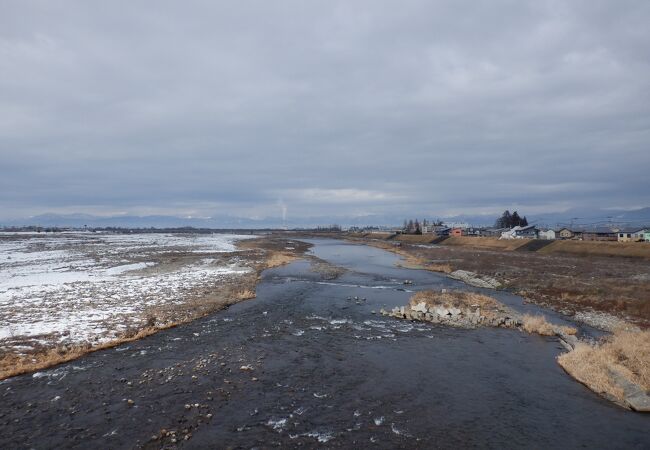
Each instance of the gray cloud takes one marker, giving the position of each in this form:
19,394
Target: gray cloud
329,108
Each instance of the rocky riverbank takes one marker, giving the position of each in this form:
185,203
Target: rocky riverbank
614,368
603,292
458,309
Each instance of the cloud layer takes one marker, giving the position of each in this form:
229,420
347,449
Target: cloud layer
323,108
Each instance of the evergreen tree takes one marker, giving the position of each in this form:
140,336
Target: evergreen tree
417,229
515,220
506,220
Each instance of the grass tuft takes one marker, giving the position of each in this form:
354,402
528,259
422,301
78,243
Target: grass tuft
246,294
277,259
539,325
628,352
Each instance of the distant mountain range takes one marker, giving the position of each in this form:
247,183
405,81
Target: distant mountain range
593,218
576,217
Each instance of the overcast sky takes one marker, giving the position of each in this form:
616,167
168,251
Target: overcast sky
323,108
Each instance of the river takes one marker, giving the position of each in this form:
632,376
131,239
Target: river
308,364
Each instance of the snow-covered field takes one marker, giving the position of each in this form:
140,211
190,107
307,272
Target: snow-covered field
90,287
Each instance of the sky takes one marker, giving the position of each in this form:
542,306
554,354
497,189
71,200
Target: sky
323,108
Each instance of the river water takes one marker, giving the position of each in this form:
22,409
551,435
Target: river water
320,369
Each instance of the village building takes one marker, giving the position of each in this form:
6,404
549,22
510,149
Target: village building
452,225
547,234
527,232
493,232
456,232
565,233
631,235
599,234
439,230
472,231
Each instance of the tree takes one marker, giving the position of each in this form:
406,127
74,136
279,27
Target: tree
515,220
504,221
508,220
417,229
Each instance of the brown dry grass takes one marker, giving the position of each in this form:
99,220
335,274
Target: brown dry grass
485,243
437,267
415,238
370,235
246,294
458,299
599,248
416,262
539,325
626,351
277,259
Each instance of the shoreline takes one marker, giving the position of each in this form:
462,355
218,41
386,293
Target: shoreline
614,368
261,253
588,310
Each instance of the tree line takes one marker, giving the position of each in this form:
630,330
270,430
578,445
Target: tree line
508,220
415,227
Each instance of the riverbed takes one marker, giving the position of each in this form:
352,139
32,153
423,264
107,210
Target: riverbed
310,362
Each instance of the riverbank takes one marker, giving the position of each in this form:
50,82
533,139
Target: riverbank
617,367
193,285
607,292
306,365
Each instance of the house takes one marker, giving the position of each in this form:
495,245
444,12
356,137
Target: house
624,236
493,232
527,232
547,234
453,225
456,232
599,234
639,235
471,231
565,233
646,236
440,230
631,235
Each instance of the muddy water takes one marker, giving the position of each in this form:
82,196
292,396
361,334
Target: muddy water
325,372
